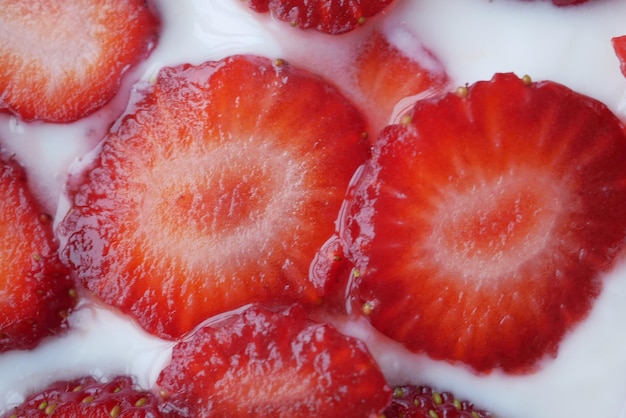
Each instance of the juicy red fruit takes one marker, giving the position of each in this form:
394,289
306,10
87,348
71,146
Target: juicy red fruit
35,288
389,80
328,16
562,3
279,364
89,398
60,61
483,240
331,267
217,192
423,402
619,45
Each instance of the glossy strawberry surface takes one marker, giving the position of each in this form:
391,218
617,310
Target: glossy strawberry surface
265,363
36,293
216,192
389,80
60,61
328,16
88,397
619,45
481,227
423,402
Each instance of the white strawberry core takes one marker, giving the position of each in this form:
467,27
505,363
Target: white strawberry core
492,228
233,209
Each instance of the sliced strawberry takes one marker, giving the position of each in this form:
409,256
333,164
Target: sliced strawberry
482,239
619,45
332,268
328,16
561,3
423,402
89,398
60,61
278,364
35,289
385,75
215,193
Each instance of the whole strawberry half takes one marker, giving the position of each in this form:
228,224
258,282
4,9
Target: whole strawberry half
35,288
328,16
480,228
216,192
61,60
89,398
279,364
411,401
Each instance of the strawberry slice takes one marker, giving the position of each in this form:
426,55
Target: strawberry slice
331,267
562,3
217,192
619,45
328,16
35,289
278,364
60,61
482,239
424,402
89,398
385,75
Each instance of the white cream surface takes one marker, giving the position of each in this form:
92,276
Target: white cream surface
473,39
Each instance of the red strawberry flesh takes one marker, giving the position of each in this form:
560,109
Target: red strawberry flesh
328,16
619,45
483,239
562,3
217,192
423,402
35,288
279,364
60,61
89,398
385,75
